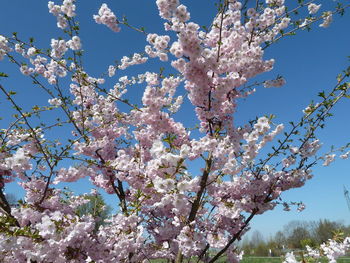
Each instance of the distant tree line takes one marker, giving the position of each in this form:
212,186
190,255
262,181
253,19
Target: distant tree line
296,235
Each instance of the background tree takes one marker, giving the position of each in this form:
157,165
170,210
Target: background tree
325,229
96,207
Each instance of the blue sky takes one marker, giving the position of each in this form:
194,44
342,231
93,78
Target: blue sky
309,62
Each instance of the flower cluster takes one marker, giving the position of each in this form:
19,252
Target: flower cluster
331,249
74,43
327,19
107,17
276,83
51,68
3,47
159,44
126,62
59,48
60,11
313,8
328,159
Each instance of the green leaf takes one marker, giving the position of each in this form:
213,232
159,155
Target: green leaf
322,94
3,75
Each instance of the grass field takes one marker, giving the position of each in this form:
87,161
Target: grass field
264,260
261,260
279,260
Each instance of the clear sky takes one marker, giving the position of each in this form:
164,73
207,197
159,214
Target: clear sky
309,62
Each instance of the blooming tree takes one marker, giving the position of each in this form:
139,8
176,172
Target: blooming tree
332,249
139,151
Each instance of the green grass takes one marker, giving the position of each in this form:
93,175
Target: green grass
279,260
261,260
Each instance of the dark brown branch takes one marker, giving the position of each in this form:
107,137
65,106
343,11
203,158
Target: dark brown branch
203,184
119,190
235,237
5,206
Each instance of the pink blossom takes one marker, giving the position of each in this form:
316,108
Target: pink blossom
107,17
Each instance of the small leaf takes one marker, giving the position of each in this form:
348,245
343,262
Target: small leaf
3,75
322,94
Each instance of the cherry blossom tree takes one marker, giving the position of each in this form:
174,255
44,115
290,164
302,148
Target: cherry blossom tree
137,150
332,249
